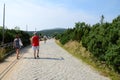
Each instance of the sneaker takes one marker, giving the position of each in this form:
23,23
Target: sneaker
37,56
17,57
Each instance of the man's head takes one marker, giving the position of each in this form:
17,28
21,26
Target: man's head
17,36
35,33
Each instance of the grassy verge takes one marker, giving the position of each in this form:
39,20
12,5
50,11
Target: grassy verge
2,53
76,49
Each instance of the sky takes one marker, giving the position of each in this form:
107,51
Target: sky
36,15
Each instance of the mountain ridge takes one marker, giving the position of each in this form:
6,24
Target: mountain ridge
49,32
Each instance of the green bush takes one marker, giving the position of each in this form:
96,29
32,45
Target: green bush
66,36
102,40
112,57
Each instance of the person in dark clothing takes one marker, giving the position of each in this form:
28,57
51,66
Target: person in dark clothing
17,45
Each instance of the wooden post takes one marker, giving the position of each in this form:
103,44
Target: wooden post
3,23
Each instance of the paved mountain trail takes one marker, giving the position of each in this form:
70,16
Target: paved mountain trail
54,64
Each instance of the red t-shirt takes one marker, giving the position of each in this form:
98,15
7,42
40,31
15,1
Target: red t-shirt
35,41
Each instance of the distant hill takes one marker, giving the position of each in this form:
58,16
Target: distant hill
49,32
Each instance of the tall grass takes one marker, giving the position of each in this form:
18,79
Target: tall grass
2,53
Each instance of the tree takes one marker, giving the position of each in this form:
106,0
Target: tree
102,19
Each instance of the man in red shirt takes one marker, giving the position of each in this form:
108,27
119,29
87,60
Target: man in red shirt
35,44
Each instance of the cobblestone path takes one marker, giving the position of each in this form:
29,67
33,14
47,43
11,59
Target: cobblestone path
54,64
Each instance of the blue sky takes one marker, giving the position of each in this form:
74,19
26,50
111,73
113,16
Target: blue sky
47,14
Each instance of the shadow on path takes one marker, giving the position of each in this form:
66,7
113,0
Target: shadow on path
48,58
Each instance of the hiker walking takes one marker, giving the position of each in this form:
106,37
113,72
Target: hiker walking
17,45
35,44
45,38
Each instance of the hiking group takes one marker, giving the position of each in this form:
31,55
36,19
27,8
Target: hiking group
17,44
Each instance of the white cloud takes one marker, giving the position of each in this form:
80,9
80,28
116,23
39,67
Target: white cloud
21,13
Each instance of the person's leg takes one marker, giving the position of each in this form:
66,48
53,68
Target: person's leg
34,49
17,53
35,54
37,51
